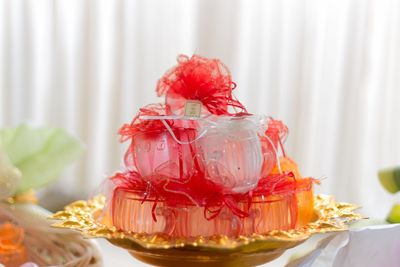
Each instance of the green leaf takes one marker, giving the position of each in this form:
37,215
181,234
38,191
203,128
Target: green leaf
41,154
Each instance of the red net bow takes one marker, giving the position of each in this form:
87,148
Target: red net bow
138,125
277,131
197,78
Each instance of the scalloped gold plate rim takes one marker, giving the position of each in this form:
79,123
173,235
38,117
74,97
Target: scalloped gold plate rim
331,216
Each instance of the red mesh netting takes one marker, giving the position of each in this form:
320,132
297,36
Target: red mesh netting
197,78
127,131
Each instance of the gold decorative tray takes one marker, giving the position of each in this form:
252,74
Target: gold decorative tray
163,250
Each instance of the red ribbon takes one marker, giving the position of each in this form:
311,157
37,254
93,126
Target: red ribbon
138,125
205,193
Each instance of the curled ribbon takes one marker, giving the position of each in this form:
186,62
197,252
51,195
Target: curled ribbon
178,194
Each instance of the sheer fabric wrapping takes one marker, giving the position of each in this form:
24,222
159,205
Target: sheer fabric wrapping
218,173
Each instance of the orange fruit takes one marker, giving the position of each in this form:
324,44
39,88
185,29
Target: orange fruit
305,198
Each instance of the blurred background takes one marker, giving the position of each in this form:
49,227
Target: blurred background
329,69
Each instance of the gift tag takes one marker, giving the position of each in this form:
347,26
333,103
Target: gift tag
192,108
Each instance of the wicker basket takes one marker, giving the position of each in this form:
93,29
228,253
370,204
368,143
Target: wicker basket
48,246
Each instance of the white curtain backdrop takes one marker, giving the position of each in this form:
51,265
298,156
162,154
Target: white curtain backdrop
329,69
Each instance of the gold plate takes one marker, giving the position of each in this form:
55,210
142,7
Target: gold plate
219,250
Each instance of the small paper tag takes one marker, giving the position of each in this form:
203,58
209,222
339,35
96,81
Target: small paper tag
193,108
